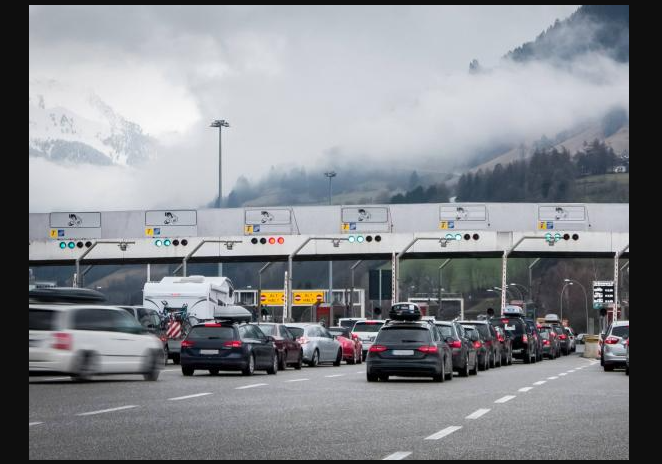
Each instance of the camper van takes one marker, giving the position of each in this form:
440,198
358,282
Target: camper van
186,301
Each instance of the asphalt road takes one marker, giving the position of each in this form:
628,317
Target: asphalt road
579,412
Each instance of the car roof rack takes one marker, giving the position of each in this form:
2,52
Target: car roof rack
65,295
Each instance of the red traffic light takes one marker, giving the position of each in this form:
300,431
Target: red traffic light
281,240
272,240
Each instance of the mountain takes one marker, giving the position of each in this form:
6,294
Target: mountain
92,132
592,28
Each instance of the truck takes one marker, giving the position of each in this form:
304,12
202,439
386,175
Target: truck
185,301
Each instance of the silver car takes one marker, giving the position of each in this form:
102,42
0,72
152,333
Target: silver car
613,348
318,344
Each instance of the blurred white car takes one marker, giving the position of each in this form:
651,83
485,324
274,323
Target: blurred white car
86,340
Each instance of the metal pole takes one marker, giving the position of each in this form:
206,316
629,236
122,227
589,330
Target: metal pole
562,290
330,293
259,288
380,293
535,261
616,258
149,272
220,164
351,292
86,252
440,282
197,247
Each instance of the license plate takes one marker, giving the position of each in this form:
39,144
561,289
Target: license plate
509,327
208,351
403,352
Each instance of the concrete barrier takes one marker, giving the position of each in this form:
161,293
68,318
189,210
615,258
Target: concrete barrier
591,346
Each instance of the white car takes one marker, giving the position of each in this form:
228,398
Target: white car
87,340
367,332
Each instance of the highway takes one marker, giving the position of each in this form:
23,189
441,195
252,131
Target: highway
567,408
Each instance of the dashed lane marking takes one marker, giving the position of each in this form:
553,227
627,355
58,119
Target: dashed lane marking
444,432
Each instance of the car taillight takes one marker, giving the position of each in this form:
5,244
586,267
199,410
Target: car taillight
455,344
505,321
545,342
62,341
611,340
233,344
303,340
187,343
428,349
562,337
500,337
525,339
377,348
477,344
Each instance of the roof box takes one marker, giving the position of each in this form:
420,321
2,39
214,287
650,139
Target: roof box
66,295
552,318
233,313
405,312
513,310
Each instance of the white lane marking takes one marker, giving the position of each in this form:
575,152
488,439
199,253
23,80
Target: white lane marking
35,423
296,380
251,386
91,413
552,378
563,373
505,398
570,371
188,396
476,414
539,382
360,372
171,370
58,378
525,389
334,375
443,433
397,456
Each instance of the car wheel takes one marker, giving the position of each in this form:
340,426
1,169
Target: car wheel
359,357
316,357
465,372
602,360
175,358
299,362
213,371
608,367
442,376
187,371
153,371
372,377
250,367
481,366
273,370
87,366
526,358
282,361
510,358
338,358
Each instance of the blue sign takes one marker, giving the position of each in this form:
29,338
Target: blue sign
352,226
451,224
256,228
60,232
157,231
550,225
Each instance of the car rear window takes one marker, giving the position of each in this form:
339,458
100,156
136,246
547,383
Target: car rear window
621,331
511,325
482,328
211,333
445,330
402,335
42,319
297,332
367,326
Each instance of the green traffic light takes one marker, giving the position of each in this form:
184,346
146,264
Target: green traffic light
449,237
458,236
63,245
166,242
359,238
351,239
548,237
71,245
557,237
157,243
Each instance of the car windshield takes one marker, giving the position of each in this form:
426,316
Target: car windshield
367,326
267,329
211,333
42,319
445,330
621,331
297,332
402,335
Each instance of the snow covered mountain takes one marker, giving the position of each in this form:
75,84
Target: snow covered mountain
83,129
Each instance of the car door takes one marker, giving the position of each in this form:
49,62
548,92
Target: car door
290,344
327,346
259,343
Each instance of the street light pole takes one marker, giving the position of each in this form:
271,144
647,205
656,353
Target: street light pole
585,298
220,123
562,290
330,175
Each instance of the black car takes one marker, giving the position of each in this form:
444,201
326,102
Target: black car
228,346
409,349
490,339
524,346
536,336
506,347
476,339
550,345
465,360
562,337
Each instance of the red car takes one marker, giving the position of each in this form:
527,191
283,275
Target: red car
352,347
288,349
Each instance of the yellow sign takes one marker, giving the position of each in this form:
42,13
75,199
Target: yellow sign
345,226
248,229
443,225
53,233
542,225
149,232
299,297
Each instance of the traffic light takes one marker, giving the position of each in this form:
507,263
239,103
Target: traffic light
270,240
553,238
361,238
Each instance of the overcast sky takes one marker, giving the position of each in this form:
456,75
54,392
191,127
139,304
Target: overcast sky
299,85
